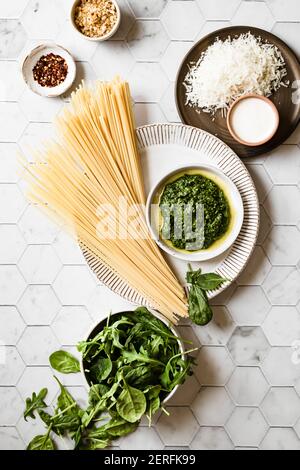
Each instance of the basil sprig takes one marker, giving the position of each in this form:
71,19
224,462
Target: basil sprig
200,311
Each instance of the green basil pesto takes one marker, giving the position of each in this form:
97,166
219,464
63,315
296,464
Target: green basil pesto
188,192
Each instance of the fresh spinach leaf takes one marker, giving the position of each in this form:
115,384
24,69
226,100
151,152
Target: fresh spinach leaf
131,404
199,309
41,443
35,403
101,369
64,362
210,281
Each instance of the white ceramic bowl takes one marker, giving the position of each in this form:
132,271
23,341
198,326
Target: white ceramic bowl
99,326
33,57
236,206
100,38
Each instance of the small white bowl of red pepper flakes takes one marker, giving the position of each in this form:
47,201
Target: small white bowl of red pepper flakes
49,70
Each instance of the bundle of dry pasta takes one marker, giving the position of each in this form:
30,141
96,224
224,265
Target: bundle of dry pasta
90,176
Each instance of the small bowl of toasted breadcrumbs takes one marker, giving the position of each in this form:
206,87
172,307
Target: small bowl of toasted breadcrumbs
96,20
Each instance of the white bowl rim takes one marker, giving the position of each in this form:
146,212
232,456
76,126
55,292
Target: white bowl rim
161,318
198,255
97,38
49,45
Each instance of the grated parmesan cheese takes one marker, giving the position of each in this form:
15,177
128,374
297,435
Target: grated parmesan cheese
231,68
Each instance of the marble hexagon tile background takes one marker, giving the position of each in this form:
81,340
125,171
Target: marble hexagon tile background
246,388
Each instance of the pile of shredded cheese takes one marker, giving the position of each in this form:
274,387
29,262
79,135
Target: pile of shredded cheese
231,68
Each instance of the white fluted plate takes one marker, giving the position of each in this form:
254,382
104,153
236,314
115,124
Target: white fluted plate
164,147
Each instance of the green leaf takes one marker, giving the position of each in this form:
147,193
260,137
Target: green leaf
210,281
65,401
35,403
199,309
131,404
96,393
131,356
101,369
41,443
64,362
118,427
45,417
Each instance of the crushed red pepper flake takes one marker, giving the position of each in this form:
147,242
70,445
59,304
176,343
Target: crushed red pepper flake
50,70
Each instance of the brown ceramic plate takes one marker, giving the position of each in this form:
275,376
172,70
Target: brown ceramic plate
289,113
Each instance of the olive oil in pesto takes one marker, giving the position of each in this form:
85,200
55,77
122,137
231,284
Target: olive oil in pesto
188,193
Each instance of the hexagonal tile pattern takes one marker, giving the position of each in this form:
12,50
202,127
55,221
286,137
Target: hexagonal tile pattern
246,426
11,365
12,285
12,203
297,428
13,9
168,105
143,438
214,366
186,393
36,345
211,438
147,8
248,346
36,378
9,167
12,84
281,12
280,212
39,264
69,332
33,107
288,374
261,179
256,270
12,325
127,20
289,33
249,305
12,244
264,226
282,326
13,38
81,48
10,439
59,305
36,227
147,40
37,132
282,285
190,22
281,406
10,406
254,14
143,89
280,163
148,112
283,245
43,20
74,285
102,300
173,57
218,9
12,122
212,406
112,57
242,389
218,331
280,439
171,433
38,305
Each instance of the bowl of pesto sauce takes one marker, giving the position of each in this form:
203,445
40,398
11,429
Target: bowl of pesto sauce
195,213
